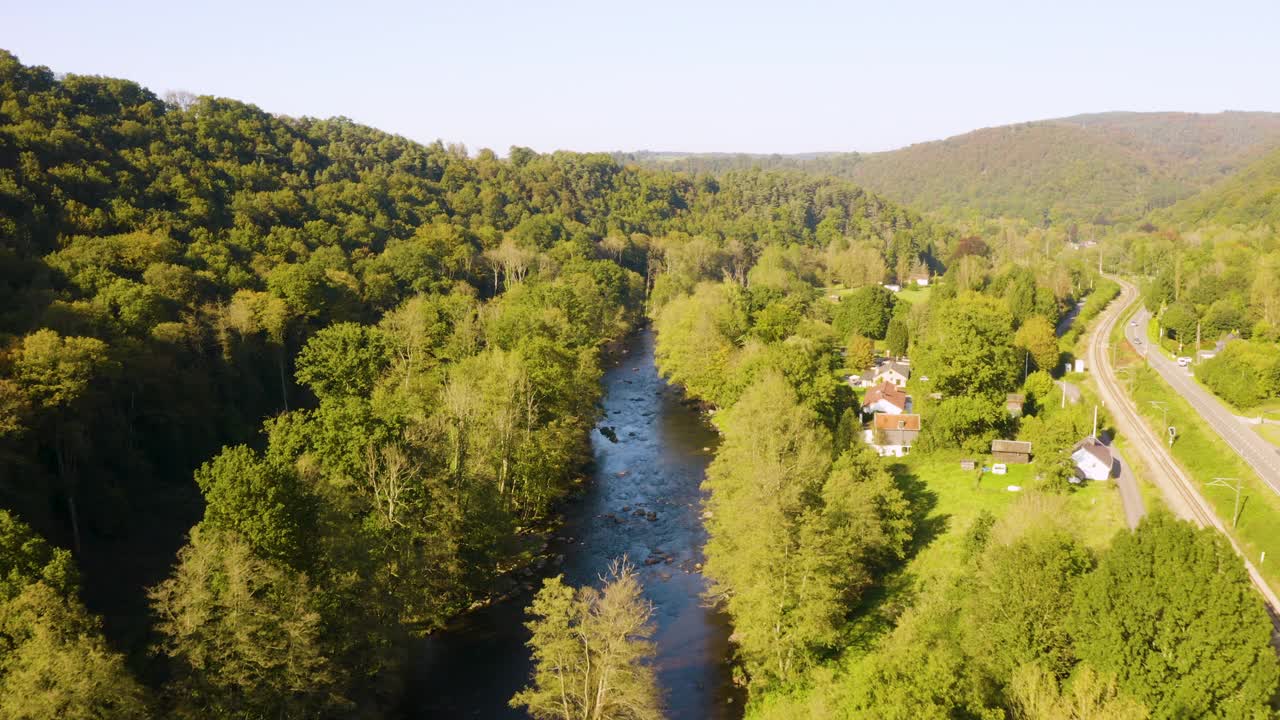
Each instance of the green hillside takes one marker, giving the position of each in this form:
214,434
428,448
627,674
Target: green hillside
1250,197
1102,167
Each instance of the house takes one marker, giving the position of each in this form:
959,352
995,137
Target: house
1093,459
865,380
1011,451
892,287
920,279
893,434
893,371
1014,403
886,398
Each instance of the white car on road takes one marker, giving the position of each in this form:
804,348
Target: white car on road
1184,361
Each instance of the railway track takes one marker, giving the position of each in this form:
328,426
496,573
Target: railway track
1179,490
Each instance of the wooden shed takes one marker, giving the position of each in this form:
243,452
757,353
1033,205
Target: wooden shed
1011,451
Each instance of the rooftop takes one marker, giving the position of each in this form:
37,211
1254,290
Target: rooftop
884,421
1011,446
888,392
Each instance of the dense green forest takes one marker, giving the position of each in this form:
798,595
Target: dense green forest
280,395
1250,197
1101,168
420,330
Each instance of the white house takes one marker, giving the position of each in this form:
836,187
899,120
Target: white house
894,372
1093,459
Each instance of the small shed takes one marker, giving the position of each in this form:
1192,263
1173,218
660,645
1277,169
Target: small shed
968,464
1011,451
1014,402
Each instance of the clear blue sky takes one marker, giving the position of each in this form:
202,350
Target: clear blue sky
785,76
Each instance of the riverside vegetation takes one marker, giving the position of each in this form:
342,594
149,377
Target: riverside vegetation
340,378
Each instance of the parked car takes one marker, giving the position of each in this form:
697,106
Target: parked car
1184,361
1133,323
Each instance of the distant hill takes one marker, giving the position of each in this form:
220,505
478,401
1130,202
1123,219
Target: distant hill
1101,167
1250,197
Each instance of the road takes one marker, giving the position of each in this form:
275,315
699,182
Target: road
1130,498
1259,453
1180,492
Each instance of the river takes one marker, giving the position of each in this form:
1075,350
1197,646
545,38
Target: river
643,501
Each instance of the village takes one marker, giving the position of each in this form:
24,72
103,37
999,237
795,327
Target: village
891,426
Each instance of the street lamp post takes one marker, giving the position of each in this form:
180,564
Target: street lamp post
1233,484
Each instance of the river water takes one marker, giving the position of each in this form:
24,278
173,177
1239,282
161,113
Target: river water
644,502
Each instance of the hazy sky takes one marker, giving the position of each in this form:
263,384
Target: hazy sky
788,76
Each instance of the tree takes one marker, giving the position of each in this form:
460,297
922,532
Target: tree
1037,695
344,359
54,662
964,422
25,558
897,338
763,553
921,671
56,372
1036,337
968,350
247,634
865,311
1171,614
1180,319
261,500
859,352
1021,600
591,651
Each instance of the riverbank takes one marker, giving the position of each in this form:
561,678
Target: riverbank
642,499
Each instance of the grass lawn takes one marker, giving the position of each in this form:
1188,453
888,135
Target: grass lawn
912,294
949,500
915,294
1269,432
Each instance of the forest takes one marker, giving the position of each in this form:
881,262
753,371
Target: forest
280,397
1102,168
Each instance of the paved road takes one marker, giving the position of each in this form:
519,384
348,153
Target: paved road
1130,497
1249,445
1180,492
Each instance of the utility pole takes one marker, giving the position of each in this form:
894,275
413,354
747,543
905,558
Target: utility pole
1095,421
1197,342
1165,407
1232,484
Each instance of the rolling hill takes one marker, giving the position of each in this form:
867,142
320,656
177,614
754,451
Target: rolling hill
1250,197
1103,167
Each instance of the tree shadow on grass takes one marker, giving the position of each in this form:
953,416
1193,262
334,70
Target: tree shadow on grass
895,590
